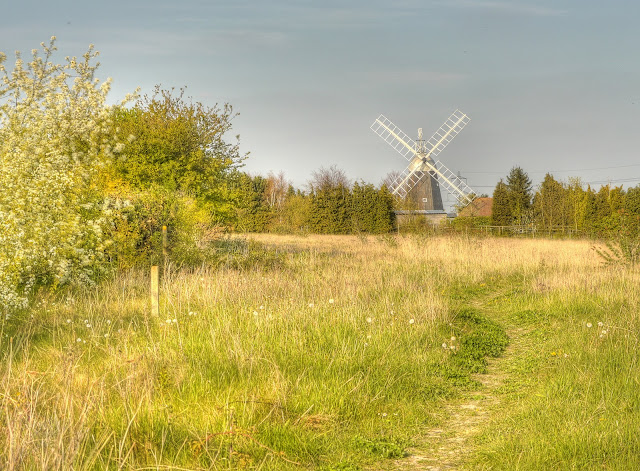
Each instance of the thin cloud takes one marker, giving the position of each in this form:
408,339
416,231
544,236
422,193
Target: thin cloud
504,7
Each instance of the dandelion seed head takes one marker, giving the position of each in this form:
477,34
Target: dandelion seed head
331,301
589,325
411,321
369,320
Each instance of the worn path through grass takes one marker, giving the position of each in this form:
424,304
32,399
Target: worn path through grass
450,446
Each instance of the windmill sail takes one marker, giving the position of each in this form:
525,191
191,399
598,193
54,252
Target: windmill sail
393,136
443,136
420,156
411,176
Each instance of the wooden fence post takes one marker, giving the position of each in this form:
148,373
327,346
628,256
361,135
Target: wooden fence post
155,292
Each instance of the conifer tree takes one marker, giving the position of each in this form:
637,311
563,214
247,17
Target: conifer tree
330,206
550,204
501,214
252,211
520,194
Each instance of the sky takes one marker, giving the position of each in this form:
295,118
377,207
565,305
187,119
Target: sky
550,86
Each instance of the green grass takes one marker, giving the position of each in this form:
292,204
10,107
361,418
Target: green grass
337,357
571,401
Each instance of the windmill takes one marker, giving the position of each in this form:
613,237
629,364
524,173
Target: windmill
423,169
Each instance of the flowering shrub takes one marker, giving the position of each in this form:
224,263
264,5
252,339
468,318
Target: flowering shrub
55,133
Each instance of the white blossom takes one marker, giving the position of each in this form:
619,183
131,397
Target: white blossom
54,132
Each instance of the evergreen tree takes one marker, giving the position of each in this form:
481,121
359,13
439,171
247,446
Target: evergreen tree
501,214
631,208
385,217
550,204
576,203
520,194
330,210
252,211
330,205
371,209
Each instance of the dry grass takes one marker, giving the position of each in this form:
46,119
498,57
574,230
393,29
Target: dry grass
266,368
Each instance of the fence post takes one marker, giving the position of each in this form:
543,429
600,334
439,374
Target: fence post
155,292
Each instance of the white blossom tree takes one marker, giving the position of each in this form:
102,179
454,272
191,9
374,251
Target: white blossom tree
55,133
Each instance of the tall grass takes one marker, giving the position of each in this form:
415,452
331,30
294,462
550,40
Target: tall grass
574,393
333,359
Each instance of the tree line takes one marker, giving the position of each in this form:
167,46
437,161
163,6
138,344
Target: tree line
330,205
558,206
85,187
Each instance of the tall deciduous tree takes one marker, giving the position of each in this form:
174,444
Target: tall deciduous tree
178,145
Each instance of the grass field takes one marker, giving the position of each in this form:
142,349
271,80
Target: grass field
334,353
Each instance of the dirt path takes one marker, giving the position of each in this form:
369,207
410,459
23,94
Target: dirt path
448,447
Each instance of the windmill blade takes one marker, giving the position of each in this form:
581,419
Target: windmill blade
454,184
419,169
443,136
409,178
394,136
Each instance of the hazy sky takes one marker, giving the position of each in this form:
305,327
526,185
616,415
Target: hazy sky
549,85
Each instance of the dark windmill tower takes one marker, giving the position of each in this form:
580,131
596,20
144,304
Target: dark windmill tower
424,176
427,191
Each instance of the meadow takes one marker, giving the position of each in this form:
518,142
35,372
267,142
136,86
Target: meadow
334,353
